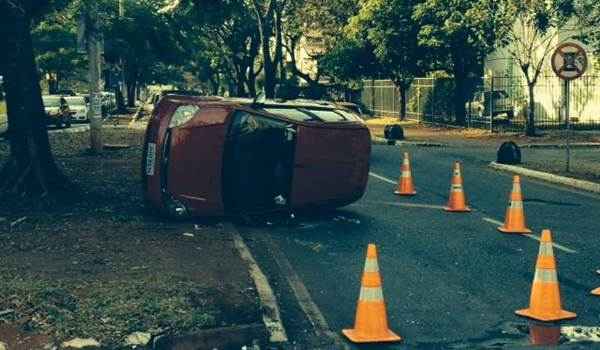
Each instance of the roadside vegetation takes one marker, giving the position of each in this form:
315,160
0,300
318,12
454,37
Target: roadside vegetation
96,265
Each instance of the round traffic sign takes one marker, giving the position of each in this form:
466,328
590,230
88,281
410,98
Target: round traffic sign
569,61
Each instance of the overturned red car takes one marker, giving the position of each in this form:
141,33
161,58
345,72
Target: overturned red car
212,156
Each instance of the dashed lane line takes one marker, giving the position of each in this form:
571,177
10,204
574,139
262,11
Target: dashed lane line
490,220
406,205
534,237
382,178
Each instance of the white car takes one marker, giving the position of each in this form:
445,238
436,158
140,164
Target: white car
79,107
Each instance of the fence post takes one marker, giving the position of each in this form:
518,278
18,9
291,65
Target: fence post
373,95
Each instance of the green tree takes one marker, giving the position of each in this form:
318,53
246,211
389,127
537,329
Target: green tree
531,39
55,44
389,27
145,39
459,34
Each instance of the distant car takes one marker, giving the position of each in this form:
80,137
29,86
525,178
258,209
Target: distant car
109,102
498,100
57,111
79,107
209,156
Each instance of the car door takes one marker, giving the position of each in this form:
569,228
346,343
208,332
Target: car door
331,164
195,158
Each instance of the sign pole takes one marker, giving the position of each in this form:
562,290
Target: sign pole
568,123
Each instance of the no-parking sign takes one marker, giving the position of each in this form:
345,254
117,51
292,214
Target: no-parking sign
569,61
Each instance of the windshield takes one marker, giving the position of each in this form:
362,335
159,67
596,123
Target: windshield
75,101
51,101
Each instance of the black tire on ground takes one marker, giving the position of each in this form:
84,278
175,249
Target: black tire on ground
393,132
509,153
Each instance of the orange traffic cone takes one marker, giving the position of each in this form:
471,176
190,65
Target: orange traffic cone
371,325
515,215
545,303
596,291
405,184
457,201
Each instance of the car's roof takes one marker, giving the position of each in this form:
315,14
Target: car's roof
239,101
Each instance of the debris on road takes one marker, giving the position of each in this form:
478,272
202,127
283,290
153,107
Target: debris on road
187,234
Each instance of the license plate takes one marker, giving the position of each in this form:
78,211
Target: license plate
150,158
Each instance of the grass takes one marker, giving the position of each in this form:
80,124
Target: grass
2,107
108,310
97,265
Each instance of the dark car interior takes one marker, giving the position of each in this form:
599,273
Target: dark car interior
258,164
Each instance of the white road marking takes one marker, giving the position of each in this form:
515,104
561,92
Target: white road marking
534,237
408,205
271,318
581,333
382,178
312,311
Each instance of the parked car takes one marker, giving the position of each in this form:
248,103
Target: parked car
109,103
79,107
209,156
497,99
57,111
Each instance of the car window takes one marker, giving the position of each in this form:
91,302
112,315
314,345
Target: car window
349,115
327,115
51,101
248,123
75,101
182,115
291,113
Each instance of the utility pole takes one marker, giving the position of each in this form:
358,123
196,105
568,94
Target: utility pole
122,88
93,45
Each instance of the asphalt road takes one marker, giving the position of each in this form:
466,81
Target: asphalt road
450,280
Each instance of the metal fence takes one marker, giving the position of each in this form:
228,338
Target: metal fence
496,103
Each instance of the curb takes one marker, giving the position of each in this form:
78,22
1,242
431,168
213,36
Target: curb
557,179
70,130
271,315
562,145
375,140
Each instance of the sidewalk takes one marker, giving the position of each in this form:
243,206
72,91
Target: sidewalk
97,266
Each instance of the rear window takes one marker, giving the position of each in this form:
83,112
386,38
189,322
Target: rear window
308,114
291,113
328,115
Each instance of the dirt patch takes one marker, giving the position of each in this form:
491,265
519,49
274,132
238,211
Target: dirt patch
97,265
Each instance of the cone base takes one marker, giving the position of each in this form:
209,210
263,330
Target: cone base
355,337
459,210
398,193
596,291
522,231
557,316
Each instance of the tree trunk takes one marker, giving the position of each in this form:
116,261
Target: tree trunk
30,168
131,84
403,90
530,129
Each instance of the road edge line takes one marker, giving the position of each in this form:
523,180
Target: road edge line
272,318
308,306
549,177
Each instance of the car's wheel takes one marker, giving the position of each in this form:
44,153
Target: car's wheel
68,123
